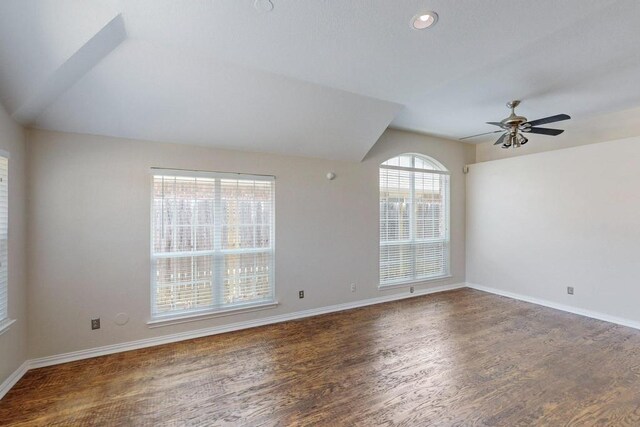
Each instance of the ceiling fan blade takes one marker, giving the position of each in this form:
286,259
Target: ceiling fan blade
495,124
499,141
480,134
550,119
545,131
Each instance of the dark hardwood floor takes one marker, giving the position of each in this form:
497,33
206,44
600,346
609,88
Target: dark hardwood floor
457,358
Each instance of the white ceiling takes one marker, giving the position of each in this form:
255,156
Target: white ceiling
314,78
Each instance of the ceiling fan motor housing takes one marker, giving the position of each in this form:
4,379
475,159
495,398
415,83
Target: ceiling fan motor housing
513,121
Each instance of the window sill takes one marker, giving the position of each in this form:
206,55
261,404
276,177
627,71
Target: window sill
4,325
413,282
203,315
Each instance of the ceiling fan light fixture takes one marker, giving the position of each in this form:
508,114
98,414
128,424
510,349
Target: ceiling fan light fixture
424,20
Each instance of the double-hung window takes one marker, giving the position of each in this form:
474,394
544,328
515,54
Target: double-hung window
414,220
212,240
4,241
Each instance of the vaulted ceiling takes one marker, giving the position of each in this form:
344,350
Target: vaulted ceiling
313,78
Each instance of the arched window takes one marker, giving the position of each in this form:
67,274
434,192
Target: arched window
414,220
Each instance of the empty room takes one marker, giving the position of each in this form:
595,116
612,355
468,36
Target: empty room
319,213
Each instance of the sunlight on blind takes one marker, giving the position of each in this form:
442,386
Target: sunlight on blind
414,232
212,237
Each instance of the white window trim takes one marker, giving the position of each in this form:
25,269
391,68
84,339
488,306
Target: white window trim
4,325
208,313
413,282
7,321
447,274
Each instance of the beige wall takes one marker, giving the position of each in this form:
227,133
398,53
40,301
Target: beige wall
89,230
539,223
13,342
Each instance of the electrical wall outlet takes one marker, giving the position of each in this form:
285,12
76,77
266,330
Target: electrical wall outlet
95,323
353,287
411,289
300,294
570,290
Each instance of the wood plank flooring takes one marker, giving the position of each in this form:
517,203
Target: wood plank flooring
459,358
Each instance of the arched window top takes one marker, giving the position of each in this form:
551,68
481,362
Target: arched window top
415,161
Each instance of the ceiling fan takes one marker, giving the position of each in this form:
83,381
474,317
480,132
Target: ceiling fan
514,127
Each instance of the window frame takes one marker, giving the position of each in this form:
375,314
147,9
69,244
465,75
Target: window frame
5,320
440,169
182,316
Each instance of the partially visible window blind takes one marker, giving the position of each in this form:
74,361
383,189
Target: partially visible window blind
414,228
4,241
212,241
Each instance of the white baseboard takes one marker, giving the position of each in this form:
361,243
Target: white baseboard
563,307
13,378
198,333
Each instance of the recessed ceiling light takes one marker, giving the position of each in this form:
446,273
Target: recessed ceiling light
424,20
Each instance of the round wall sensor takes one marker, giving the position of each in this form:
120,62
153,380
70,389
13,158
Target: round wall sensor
331,176
424,20
263,5
121,319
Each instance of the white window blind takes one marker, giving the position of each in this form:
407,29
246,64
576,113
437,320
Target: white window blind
4,242
414,220
212,241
